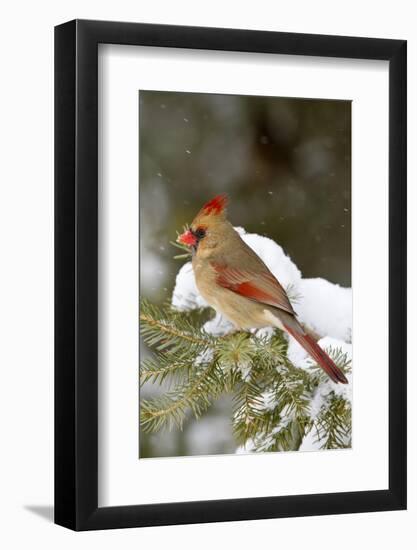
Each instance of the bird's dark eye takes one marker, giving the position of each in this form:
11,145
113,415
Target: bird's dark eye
200,232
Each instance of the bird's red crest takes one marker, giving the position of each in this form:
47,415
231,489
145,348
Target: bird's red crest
215,206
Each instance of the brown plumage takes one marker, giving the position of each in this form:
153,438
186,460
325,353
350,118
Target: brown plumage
237,283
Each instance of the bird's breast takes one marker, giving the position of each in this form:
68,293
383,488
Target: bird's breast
241,311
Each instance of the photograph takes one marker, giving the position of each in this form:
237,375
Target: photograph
205,265
245,274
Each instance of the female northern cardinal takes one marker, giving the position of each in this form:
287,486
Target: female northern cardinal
236,282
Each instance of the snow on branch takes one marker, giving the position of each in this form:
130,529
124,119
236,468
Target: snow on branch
282,400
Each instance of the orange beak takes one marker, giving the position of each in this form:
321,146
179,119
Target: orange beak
188,238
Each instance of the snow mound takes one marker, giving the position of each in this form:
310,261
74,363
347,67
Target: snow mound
218,326
326,308
186,296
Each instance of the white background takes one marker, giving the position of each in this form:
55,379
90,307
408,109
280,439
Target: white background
26,301
123,479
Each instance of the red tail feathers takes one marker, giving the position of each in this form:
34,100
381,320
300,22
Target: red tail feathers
320,356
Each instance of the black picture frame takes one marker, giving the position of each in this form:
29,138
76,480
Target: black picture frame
76,272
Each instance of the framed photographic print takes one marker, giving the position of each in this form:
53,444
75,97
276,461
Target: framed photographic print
230,275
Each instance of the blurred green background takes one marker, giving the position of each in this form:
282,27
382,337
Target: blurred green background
285,164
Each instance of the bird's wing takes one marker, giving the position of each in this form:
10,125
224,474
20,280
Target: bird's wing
259,286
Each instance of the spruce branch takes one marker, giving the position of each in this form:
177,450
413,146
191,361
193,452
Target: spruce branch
333,424
170,410
164,329
160,367
272,398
